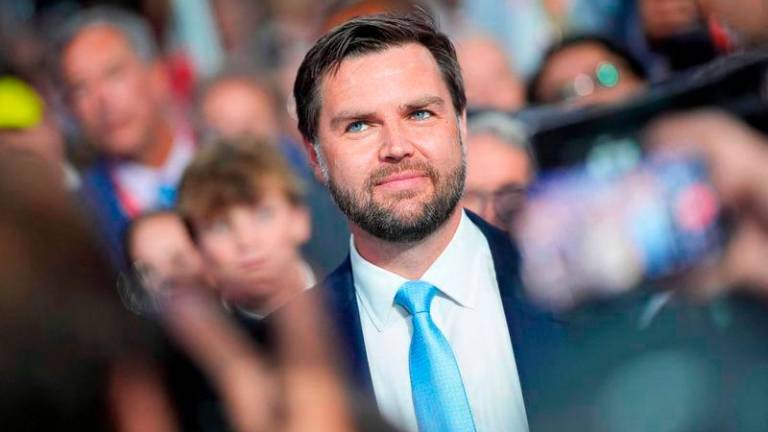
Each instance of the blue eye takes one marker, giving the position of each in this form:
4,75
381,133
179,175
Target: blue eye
421,115
357,126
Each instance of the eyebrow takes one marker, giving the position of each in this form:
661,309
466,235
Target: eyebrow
346,116
422,102
419,103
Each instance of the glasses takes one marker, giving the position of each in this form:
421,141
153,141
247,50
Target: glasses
506,200
606,75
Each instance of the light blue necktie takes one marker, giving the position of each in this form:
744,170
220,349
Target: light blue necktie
438,393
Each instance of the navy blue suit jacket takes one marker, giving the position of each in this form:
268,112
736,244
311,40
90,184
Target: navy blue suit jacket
536,335
100,197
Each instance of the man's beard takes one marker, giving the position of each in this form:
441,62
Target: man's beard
383,221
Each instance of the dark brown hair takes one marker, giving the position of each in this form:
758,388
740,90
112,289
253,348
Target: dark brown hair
368,35
227,173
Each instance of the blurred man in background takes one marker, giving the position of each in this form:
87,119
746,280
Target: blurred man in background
236,105
489,78
117,90
499,168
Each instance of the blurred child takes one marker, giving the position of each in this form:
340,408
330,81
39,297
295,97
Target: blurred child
244,209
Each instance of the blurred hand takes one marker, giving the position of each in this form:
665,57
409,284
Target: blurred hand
738,161
666,18
301,392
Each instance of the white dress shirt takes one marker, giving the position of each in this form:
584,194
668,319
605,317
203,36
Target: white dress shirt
469,312
142,183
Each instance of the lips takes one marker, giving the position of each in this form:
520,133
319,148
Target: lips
252,264
401,177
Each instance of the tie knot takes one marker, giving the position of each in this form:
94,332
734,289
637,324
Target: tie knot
416,296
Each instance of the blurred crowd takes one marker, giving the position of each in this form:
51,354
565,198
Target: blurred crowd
158,204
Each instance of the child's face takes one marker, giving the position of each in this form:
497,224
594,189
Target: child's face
248,247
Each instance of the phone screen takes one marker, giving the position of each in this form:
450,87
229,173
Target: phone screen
591,231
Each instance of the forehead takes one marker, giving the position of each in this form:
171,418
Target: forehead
488,144
238,92
94,43
491,161
374,80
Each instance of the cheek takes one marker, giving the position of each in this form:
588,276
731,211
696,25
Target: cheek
446,155
439,141
279,238
132,83
131,96
349,166
86,109
217,252
284,238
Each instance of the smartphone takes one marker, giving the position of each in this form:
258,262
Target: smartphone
587,231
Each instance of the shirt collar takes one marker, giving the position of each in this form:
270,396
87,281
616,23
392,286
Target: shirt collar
377,287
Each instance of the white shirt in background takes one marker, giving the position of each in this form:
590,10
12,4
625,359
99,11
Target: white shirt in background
143,183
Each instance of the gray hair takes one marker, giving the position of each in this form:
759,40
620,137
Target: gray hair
510,131
506,128
133,27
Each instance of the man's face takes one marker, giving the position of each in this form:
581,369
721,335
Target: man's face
489,80
389,142
235,108
113,93
249,247
497,175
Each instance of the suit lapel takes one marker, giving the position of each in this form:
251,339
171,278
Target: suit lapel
342,300
98,193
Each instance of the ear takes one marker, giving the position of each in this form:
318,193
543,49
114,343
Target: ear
463,125
314,160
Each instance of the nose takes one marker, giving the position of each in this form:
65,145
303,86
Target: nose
100,101
396,144
246,235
